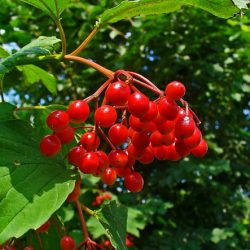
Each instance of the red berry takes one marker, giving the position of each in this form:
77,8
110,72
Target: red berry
105,116
118,158
78,111
134,182
66,135
90,141
156,139
50,145
201,149
168,139
159,119
175,90
131,158
122,172
118,134
135,123
103,160
140,140
58,120
130,132
28,248
181,148
166,127
194,140
134,151
160,152
89,163
184,127
171,153
74,195
147,156
151,113
117,93
167,108
109,176
75,155
149,126
67,243
44,228
138,104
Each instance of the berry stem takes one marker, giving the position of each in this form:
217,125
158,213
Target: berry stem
85,127
87,210
108,73
153,89
98,91
105,137
85,42
83,223
39,240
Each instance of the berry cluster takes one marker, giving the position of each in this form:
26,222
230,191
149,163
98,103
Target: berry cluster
135,127
100,198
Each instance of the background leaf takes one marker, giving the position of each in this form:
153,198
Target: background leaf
32,187
34,74
54,6
3,53
241,4
113,218
127,9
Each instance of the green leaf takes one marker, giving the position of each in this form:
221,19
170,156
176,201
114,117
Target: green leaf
32,187
6,111
40,49
241,4
34,74
95,227
54,7
128,9
113,218
3,53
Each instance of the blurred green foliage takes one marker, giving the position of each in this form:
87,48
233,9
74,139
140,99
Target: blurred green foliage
190,205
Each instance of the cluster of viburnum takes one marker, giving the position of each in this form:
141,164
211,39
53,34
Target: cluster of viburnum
135,127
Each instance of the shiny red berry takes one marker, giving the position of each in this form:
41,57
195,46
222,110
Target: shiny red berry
66,135
147,156
50,145
67,243
168,139
90,141
75,155
141,140
44,227
184,127
135,123
151,113
118,158
89,163
108,176
138,104
200,150
175,90
181,148
117,93
171,153
160,152
103,160
156,139
193,140
78,111
166,127
118,134
134,182
105,116
168,108
57,120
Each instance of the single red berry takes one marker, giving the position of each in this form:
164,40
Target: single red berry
90,141
135,123
130,132
181,148
201,149
131,158
147,156
50,145
134,182
138,104
122,172
75,155
118,134
168,139
108,176
89,163
141,140
44,227
118,158
193,140
28,248
149,126
151,113
160,152
105,116
175,90
103,160
171,153
67,243
184,127
134,151
66,135
156,139
58,120
167,108
166,127
117,93
74,195
78,111
182,113
159,119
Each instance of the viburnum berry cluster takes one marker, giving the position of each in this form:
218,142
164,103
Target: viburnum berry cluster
135,127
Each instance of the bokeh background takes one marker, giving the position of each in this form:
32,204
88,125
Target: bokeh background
194,204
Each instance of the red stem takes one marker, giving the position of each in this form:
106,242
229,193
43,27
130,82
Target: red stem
153,89
106,138
83,224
